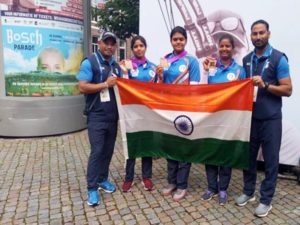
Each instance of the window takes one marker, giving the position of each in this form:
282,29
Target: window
94,43
122,50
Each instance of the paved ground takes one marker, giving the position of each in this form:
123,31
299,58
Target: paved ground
42,181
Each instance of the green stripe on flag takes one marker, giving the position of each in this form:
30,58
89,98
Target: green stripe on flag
208,150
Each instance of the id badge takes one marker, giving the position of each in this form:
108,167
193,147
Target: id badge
104,95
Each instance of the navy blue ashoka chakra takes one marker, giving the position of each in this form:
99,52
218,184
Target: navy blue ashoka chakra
184,125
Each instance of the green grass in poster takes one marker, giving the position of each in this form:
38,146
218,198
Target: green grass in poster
41,84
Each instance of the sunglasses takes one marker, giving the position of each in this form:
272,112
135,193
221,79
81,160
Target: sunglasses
227,24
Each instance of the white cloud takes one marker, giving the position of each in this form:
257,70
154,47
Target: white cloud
15,62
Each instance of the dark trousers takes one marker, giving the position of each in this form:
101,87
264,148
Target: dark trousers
102,137
146,168
178,173
268,134
218,177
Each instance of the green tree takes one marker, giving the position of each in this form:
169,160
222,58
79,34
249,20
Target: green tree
120,17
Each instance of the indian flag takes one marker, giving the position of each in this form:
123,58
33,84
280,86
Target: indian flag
191,123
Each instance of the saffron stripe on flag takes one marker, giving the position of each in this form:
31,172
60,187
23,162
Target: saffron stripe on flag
236,95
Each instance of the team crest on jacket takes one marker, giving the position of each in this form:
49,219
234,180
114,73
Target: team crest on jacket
267,64
184,125
182,68
230,76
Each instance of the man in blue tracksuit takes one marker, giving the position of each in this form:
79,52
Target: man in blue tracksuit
96,77
269,70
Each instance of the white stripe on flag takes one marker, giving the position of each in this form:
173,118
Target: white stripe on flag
122,123
223,125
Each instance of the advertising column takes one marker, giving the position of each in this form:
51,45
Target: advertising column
41,51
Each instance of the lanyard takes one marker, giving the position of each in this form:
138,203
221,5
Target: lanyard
100,67
136,62
176,57
264,66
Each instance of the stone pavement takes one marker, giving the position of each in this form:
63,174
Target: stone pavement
42,181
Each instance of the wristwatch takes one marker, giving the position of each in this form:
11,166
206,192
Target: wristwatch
267,84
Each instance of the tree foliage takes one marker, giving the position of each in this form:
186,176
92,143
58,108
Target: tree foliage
120,17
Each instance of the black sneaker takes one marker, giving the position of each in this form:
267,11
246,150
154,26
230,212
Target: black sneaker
208,195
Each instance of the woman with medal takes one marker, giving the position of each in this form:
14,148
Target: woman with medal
223,70
178,67
138,68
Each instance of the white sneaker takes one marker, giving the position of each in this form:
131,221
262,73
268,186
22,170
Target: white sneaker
262,210
244,199
169,189
179,194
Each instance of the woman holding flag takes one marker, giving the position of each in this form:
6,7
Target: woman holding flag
223,70
178,67
138,68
